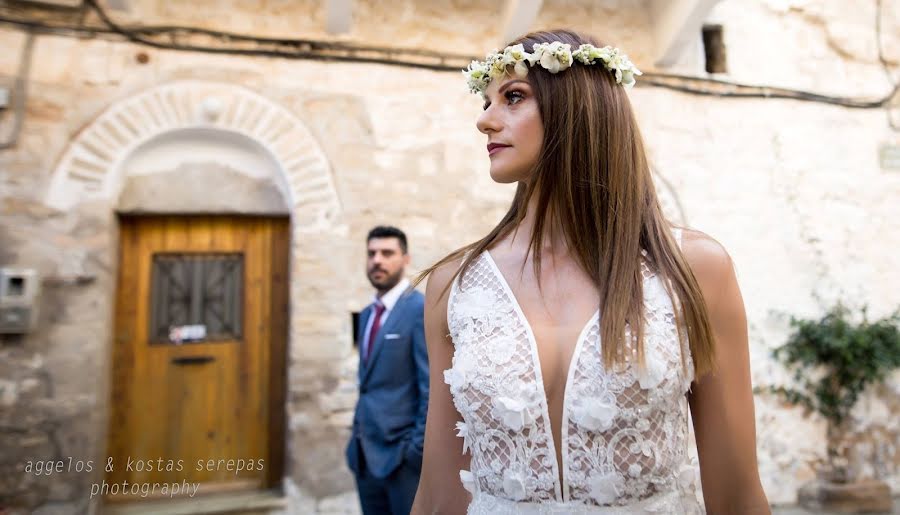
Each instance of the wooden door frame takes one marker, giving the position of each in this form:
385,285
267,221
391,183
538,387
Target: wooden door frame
278,342
280,302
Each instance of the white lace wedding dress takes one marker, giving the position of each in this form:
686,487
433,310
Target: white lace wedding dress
624,434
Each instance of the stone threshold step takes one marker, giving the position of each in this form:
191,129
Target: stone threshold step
247,503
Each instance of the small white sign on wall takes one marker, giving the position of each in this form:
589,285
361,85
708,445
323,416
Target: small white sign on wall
186,333
890,157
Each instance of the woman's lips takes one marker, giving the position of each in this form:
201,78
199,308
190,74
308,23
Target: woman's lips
495,149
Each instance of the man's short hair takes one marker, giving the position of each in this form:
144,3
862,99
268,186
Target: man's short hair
388,231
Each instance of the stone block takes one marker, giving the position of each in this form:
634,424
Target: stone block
235,192
866,496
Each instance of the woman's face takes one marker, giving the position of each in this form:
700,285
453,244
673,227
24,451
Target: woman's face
512,120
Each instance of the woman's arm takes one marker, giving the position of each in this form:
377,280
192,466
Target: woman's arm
722,401
440,489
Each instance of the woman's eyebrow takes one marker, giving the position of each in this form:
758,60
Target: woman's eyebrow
508,84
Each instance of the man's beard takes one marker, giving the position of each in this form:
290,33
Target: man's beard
387,282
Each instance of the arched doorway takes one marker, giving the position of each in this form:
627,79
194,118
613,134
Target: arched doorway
211,183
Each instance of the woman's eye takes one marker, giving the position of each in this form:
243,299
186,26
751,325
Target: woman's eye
514,96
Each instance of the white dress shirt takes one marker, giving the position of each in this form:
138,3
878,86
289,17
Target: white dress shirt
389,300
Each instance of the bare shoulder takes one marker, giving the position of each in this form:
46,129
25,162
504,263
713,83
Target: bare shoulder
440,278
437,290
709,261
714,270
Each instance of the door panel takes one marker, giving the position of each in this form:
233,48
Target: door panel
219,397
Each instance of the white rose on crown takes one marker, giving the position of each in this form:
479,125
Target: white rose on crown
517,57
554,57
612,59
626,76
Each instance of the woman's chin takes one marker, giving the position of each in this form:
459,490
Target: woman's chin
504,176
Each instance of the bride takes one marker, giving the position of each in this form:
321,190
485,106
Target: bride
567,346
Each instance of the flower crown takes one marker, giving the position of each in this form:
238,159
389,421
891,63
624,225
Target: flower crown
553,57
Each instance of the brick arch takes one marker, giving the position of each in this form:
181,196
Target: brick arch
90,167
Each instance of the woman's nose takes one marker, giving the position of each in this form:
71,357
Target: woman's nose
487,122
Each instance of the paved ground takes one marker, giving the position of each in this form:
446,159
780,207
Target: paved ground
801,511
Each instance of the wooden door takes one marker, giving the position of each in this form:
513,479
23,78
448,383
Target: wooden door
196,411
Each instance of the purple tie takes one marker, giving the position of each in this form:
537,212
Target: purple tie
376,325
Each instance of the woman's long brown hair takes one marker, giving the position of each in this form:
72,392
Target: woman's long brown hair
593,177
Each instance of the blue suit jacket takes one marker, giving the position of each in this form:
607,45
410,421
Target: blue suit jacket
389,422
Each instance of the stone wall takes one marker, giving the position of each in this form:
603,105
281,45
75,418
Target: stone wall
793,190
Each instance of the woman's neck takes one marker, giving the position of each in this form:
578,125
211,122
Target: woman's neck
553,242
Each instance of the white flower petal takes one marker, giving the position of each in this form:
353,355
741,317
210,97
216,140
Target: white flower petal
634,470
549,63
596,413
514,485
468,480
462,431
521,69
604,488
653,372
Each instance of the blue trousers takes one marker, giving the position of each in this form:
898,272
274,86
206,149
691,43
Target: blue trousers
392,495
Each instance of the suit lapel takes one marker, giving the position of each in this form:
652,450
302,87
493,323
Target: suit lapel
393,319
360,337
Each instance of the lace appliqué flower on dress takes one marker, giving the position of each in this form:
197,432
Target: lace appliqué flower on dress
605,488
652,373
476,314
595,413
501,350
514,485
519,407
463,370
468,480
462,431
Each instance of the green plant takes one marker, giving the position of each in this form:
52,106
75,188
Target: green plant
834,359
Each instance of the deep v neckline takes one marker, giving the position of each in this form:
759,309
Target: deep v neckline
560,486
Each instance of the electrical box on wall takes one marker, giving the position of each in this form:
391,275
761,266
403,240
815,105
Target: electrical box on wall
18,300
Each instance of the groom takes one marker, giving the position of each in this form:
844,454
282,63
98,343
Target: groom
385,449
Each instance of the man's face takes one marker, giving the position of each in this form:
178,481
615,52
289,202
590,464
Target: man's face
386,263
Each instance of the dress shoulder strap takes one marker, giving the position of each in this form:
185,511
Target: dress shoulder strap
455,286
677,232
